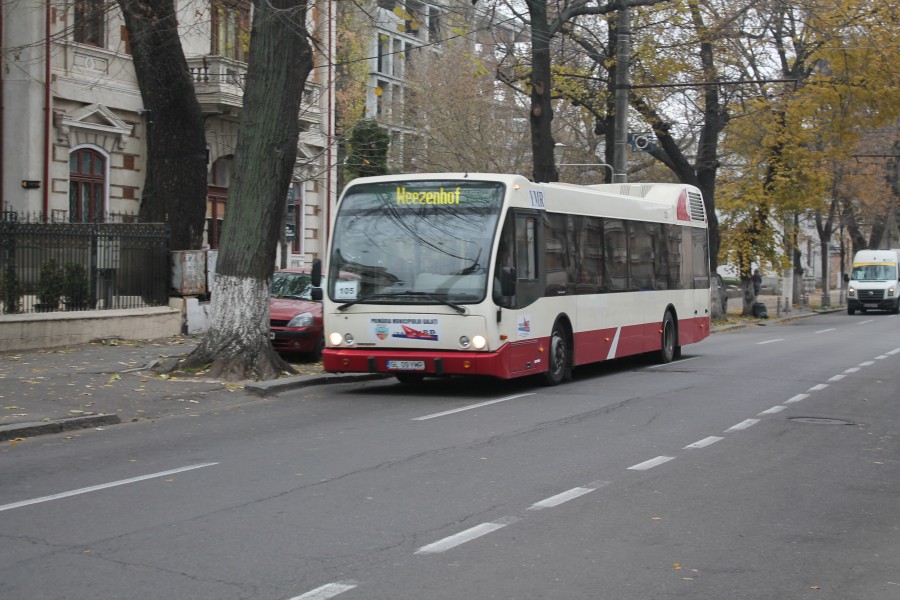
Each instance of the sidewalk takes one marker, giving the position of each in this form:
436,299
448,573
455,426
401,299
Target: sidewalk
101,384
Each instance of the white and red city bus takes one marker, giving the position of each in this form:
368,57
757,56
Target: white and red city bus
472,273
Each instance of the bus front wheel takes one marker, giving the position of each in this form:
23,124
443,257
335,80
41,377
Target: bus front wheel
670,349
559,366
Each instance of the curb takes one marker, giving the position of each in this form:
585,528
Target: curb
264,389
14,431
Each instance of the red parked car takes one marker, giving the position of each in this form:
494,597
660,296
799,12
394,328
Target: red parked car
295,319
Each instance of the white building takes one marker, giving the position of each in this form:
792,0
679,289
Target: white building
72,131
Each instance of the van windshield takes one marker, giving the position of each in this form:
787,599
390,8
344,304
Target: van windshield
874,272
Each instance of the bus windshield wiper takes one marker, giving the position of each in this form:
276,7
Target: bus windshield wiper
444,301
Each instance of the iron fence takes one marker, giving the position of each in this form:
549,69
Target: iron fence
53,266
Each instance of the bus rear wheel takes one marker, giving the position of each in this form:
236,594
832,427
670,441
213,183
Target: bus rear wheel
670,349
559,366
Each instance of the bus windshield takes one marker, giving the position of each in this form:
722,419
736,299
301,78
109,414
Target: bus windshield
874,272
415,242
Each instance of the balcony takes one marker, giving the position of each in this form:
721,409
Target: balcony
219,83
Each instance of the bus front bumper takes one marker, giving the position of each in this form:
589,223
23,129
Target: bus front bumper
361,360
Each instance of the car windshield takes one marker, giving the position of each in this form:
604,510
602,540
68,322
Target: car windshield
415,242
874,272
291,285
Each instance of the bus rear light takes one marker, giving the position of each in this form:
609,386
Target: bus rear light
503,337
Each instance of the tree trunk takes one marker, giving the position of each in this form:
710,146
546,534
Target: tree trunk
237,343
175,182
541,114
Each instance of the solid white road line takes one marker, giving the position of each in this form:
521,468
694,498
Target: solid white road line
102,486
465,536
471,406
704,442
649,464
770,341
566,496
743,425
329,590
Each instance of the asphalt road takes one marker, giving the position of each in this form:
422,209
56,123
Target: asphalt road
765,464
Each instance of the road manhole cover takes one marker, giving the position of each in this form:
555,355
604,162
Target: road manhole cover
820,421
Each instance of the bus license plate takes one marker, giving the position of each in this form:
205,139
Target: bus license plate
406,365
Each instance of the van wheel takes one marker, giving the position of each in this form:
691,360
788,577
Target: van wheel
670,349
559,367
851,310
896,309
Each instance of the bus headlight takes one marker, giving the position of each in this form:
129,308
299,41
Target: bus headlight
464,342
479,342
337,339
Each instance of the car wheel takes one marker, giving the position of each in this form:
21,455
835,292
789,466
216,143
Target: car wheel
316,354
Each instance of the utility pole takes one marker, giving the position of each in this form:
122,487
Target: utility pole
623,62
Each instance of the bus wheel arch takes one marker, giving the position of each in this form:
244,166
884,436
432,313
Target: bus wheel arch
560,352
670,349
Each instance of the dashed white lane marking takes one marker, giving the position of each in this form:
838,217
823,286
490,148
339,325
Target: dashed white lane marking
836,378
864,322
772,411
818,388
471,406
852,370
707,441
102,486
649,464
882,357
770,341
566,496
796,398
465,536
868,363
743,425
329,590
894,351
826,330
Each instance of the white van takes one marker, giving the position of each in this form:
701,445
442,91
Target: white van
874,281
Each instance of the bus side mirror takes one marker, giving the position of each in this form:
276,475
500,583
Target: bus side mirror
508,281
316,275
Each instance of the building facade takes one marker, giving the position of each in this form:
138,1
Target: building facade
73,130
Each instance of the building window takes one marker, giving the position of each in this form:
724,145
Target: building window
87,186
231,29
89,22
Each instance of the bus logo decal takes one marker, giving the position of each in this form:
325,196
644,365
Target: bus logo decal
523,326
408,333
537,198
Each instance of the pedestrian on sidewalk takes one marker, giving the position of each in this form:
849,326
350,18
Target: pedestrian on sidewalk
757,282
